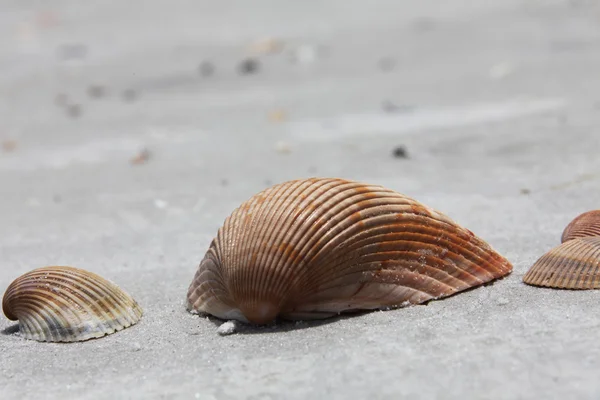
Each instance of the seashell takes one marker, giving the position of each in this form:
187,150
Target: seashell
575,264
66,304
586,224
309,249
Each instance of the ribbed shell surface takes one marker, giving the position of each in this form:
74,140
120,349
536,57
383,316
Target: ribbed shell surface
586,224
575,264
66,304
313,248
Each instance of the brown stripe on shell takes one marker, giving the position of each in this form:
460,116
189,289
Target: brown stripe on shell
586,224
66,304
575,264
316,247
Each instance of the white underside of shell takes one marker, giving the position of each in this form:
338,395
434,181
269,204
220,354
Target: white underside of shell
235,314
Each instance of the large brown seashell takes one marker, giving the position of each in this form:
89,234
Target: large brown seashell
66,304
313,248
575,264
586,224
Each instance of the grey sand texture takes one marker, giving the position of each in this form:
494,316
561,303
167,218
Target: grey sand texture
123,151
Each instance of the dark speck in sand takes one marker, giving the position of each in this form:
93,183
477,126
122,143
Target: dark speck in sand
96,91
387,64
61,99
248,66
206,68
72,51
400,152
129,95
74,110
391,107
141,158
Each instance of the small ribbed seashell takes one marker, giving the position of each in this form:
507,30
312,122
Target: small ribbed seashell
66,304
575,264
314,248
586,224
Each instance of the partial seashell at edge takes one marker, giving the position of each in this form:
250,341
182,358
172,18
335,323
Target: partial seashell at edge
586,224
314,248
66,304
575,264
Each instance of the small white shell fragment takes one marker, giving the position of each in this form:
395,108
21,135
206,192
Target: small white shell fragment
266,46
227,328
283,147
502,301
305,54
160,204
502,70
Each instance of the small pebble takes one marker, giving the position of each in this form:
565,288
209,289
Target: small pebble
74,110
562,119
266,46
391,107
525,191
388,106
206,68
142,157
386,64
277,116
72,51
227,328
248,66
283,147
502,301
9,145
46,19
400,152
129,95
96,91
136,346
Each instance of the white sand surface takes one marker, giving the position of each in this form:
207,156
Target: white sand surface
497,103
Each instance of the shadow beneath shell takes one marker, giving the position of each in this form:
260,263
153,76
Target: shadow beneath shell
284,325
11,330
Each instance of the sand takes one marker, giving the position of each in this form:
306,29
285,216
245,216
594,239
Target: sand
130,132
